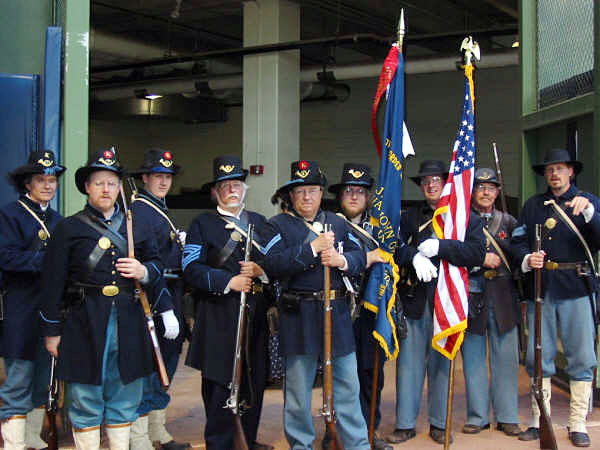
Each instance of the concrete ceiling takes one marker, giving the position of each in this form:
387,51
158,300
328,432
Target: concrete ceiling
155,29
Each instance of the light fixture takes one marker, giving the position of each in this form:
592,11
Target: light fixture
515,44
152,96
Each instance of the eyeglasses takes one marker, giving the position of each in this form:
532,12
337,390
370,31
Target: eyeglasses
349,190
227,185
483,188
555,169
311,192
432,181
109,184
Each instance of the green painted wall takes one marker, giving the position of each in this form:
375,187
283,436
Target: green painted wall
22,35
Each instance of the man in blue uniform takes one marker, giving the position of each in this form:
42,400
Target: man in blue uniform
213,265
92,321
352,194
493,311
568,283
149,206
418,255
296,255
25,227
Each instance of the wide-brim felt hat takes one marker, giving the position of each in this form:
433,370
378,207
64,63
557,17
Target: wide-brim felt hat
555,156
40,162
100,160
226,168
157,160
485,175
353,174
430,167
304,173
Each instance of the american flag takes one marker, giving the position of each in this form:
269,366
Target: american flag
450,221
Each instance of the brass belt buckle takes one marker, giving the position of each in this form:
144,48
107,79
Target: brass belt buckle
110,290
490,274
551,265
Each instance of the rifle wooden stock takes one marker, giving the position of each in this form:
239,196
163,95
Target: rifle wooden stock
141,295
51,407
328,411
233,402
547,438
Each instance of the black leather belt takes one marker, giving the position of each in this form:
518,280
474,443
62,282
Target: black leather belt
108,290
582,267
318,295
257,288
493,273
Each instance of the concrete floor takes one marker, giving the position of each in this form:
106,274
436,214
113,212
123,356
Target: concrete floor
186,415
185,418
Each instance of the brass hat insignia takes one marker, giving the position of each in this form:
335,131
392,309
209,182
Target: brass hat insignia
107,158
356,173
227,169
166,162
485,176
45,162
303,173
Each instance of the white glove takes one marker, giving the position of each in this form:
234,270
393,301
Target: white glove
429,247
425,270
182,235
171,324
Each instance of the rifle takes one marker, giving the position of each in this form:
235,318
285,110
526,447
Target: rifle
233,403
547,438
52,407
522,304
327,411
140,295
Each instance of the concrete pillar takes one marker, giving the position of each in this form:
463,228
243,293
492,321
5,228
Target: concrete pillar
75,19
271,129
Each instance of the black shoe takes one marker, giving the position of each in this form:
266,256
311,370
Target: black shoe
401,435
474,429
579,439
510,429
380,444
530,434
439,435
172,445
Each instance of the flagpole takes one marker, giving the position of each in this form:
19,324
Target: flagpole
471,50
376,358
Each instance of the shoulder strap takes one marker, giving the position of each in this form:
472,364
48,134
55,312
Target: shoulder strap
497,247
158,210
35,216
102,228
363,235
562,215
236,227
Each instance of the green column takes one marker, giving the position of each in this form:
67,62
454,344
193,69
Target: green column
597,95
23,35
528,63
75,99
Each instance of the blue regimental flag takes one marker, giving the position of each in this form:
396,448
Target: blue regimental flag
380,293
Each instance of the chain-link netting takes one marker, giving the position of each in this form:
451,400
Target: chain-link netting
565,53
